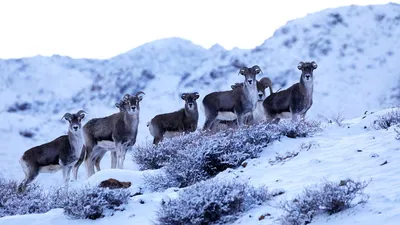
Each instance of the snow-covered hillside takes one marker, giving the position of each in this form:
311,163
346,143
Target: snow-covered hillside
357,52
354,150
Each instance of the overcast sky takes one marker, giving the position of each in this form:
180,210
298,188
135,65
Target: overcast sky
103,29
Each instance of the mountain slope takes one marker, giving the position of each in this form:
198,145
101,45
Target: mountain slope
355,47
337,153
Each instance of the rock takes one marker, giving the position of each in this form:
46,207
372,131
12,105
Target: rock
342,182
277,193
263,216
114,184
244,164
374,155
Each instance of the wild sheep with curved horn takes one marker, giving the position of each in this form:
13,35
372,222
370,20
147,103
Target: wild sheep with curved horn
61,153
120,128
295,101
181,121
241,100
227,120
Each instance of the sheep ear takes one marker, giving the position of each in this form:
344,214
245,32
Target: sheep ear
196,95
126,97
314,65
67,116
300,65
140,98
242,71
257,69
183,96
236,85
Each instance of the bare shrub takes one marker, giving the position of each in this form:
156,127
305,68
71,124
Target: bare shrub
211,202
151,156
299,129
91,202
204,156
33,200
388,119
326,198
87,203
282,158
338,119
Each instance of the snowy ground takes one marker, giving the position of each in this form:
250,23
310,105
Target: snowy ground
333,154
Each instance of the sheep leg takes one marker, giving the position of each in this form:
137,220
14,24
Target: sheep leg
121,152
113,160
89,162
211,115
276,120
29,177
240,120
78,163
97,164
295,117
66,174
157,139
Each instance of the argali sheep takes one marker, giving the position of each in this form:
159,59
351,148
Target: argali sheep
120,128
182,121
241,101
227,120
60,153
295,101
105,146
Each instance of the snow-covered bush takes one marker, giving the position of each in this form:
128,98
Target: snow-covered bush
211,202
33,200
87,203
299,129
91,202
283,158
328,197
388,119
151,156
204,155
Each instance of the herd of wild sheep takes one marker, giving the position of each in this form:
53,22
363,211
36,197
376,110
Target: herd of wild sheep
245,104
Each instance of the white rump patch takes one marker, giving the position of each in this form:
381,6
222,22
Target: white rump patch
151,129
230,116
106,145
284,115
24,166
50,169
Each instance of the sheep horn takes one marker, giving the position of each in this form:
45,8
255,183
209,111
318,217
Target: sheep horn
138,93
126,97
81,111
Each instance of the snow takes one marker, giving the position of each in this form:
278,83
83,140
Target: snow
333,156
358,71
